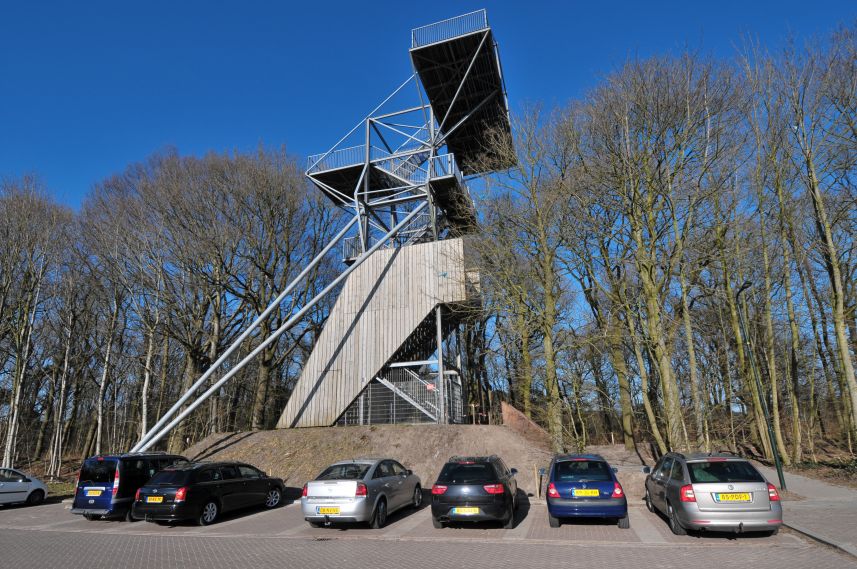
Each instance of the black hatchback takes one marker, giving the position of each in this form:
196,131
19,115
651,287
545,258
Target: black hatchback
202,491
474,489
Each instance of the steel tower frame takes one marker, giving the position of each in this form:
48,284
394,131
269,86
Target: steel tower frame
400,186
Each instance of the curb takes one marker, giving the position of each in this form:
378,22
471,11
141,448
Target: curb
847,549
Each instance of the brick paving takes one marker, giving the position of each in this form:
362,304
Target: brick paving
49,536
826,512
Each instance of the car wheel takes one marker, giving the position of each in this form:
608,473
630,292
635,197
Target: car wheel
272,499
418,497
553,521
510,521
772,532
315,524
675,525
379,518
35,498
649,505
91,517
129,517
208,513
624,523
437,523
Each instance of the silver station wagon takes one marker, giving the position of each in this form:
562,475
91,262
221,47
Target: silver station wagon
718,492
360,490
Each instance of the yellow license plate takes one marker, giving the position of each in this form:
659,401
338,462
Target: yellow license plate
734,497
93,492
590,492
328,510
465,511
154,499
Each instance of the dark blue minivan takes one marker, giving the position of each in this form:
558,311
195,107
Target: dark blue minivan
107,483
585,486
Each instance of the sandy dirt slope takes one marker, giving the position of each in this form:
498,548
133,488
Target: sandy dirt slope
298,455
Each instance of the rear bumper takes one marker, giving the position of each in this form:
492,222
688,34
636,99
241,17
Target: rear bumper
609,508
355,510
692,518
167,513
92,512
487,512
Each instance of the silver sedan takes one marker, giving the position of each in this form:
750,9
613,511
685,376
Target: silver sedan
360,490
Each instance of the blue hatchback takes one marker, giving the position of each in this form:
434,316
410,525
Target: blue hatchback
584,486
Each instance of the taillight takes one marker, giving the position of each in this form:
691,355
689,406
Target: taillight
773,495
361,490
116,480
137,495
552,491
686,494
438,489
304,492
618,492
181,494
494,488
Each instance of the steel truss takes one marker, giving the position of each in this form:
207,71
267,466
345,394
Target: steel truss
394,176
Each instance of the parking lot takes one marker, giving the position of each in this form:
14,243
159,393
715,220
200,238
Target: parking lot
50,536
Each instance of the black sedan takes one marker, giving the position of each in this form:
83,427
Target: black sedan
474,489
201,491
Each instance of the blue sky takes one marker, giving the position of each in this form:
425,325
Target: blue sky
88,87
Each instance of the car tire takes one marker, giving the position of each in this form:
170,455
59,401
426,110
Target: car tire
208,513
675,525
418,497
772,532
624,523
35,498
509,522
437,523
379,516
91,517
648,499
129,517
553,521
273,498
315,524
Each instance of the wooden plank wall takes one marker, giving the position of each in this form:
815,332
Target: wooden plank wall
381,304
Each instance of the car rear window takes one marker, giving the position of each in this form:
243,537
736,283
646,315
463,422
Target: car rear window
169,477
723,471
467,473
96,471
344,472
582,470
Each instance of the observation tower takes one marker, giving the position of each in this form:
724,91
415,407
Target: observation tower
384,353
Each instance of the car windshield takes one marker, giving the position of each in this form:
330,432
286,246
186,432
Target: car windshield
466,473
96,471
350,471
169,478
723,471
582,471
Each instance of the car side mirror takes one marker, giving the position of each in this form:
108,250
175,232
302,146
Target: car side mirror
614,469
647,470
23,479
542,471
514,471
408,472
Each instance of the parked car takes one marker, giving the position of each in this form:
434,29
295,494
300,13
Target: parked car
360,490
720,492
106,484
202,491
584,486
474,489
16,487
